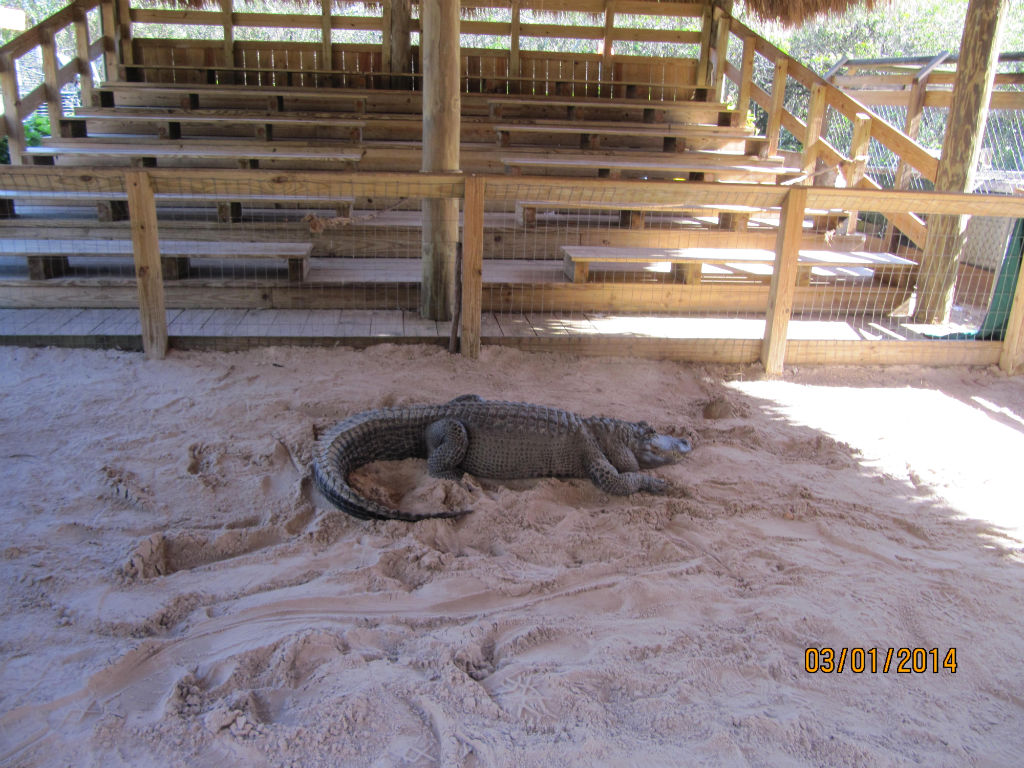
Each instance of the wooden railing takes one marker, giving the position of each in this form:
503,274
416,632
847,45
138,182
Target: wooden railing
825,102
141,187
43,37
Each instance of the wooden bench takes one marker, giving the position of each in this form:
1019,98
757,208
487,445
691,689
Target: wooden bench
169,122
732,217
189,96
672,135
146,153
713,113
48,259
697,167
688,262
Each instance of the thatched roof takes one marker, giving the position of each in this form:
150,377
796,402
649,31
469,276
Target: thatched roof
792,12
787,12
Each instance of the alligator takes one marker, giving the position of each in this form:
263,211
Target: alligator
491,439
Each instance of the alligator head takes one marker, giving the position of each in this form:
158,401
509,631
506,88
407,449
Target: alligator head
657,450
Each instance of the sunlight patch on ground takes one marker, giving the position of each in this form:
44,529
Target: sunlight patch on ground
966,453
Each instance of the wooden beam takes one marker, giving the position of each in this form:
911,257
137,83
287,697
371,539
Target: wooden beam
961,147
784,276
110,29
472,265
146,246
439,46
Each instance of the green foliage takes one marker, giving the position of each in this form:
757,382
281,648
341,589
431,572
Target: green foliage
37,128
921,28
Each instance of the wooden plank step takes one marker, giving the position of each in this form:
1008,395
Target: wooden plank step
48,258
662,165
688,262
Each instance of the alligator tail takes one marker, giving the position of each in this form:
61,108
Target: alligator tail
389,434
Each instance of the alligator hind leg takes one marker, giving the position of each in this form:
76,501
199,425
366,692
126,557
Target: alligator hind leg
447,442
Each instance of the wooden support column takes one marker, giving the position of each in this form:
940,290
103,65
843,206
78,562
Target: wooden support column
746,79
111,30
148,274
777,104
51,83
396,42
472,265
85,81
815,124
12,106
515,63
972,91
441,125
784,277
607,43
325,35
227,10
860,146
706,41
124,28
719,49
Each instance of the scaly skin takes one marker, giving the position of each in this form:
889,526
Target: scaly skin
490,439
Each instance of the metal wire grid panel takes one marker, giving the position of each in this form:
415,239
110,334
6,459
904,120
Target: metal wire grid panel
256,258
625,263
312,262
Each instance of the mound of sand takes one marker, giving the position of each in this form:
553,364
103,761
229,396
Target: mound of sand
177,593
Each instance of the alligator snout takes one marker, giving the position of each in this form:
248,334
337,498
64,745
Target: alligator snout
663,449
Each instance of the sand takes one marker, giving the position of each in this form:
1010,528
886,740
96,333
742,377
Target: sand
176,593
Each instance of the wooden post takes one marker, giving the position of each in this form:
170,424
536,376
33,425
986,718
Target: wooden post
51,84
472,265
777,105
720,48
397,42
85,82
746,79
815,123
975,74
607,43
325,35
111,31
227,10
441,125
706,41
860,146
148,274
784,276
124,27
12,106
515,63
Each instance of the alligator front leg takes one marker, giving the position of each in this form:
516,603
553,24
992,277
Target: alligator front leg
610,480
447,443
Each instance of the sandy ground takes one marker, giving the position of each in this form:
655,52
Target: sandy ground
176,593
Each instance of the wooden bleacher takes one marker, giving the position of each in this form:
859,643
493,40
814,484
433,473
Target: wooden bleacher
688,263
48,258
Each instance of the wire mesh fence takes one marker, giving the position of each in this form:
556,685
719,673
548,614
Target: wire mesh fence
251,257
